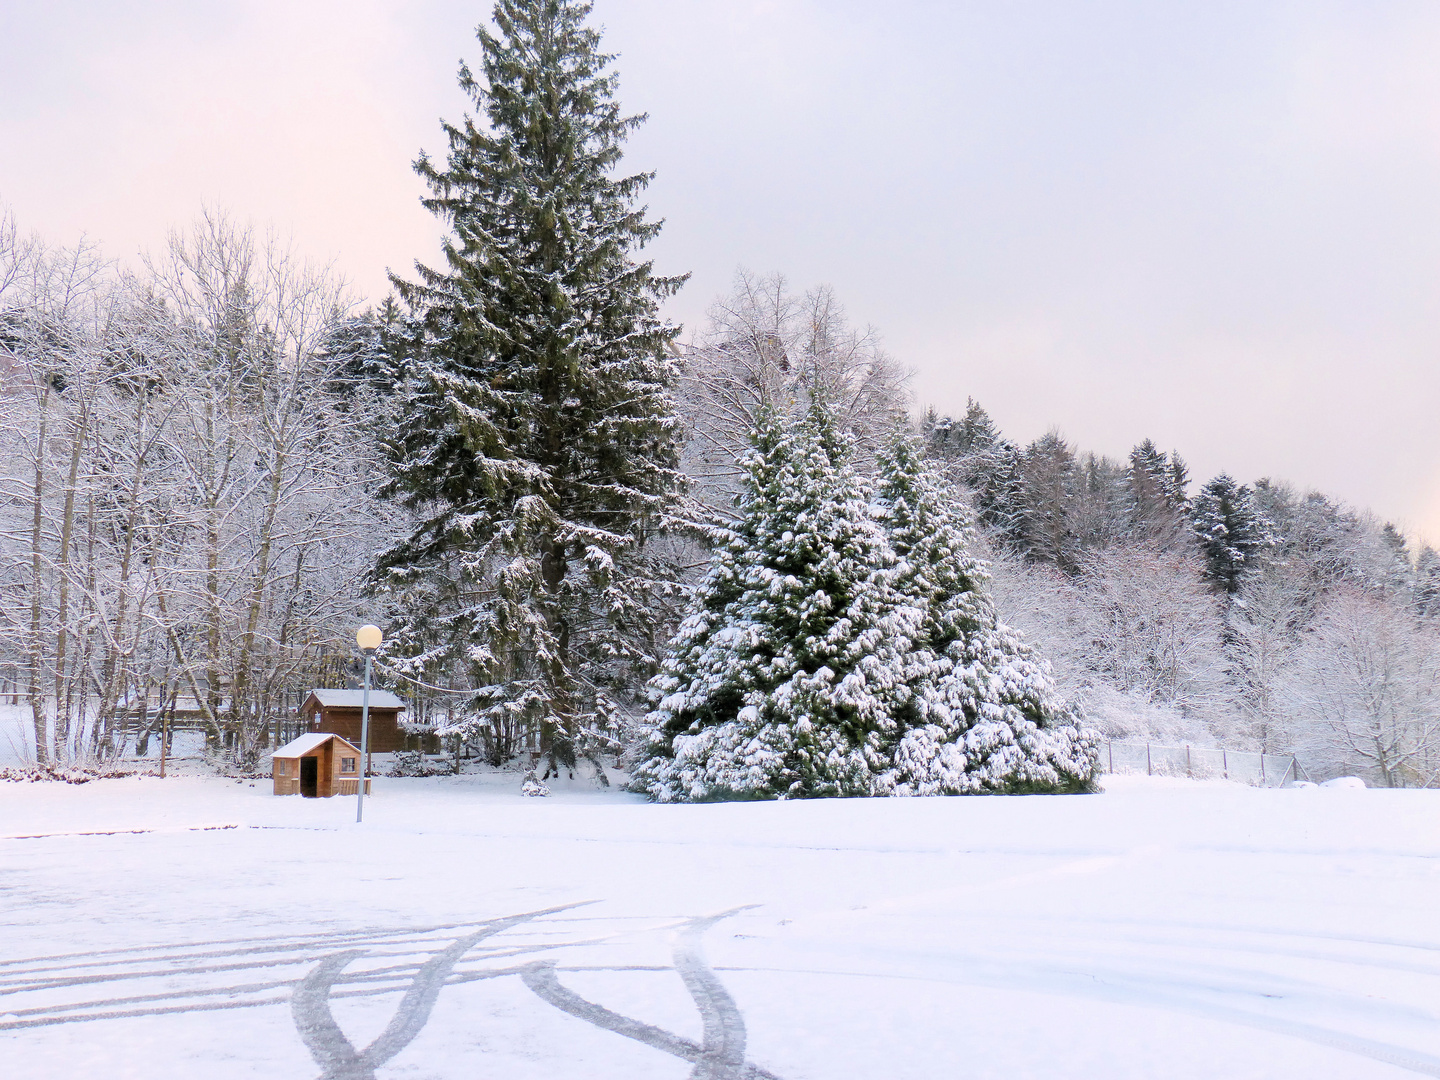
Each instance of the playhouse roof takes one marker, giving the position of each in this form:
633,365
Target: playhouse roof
305,744
351,699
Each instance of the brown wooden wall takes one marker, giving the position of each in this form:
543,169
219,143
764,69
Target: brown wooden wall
329,779
386,735
290,783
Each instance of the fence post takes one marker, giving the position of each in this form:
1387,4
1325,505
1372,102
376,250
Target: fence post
1189,768
1149,770
1262,767
1111,747
1225,763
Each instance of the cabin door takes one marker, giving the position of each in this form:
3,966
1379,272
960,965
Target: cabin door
309,776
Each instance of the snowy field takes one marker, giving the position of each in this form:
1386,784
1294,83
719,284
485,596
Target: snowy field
204,928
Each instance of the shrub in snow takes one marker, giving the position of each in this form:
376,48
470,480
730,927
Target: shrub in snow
414,763
816,660
77,774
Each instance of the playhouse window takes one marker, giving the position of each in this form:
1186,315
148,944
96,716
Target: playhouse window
282,768
347,764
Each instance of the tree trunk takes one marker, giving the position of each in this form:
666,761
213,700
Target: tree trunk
37,583
242,680
67,527
115,671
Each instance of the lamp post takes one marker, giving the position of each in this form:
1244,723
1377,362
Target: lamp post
368,638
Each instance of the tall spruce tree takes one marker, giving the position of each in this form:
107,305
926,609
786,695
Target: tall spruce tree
1427,583
1050,478
1158,509
536,438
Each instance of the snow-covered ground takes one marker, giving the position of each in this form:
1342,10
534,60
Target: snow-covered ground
203,928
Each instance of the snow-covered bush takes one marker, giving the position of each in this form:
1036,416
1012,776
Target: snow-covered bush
818,660
414,763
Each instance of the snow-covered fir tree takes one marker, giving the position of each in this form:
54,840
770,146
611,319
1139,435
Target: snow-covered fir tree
979,712
1049,492
830,654
1232,531
536,439
784,678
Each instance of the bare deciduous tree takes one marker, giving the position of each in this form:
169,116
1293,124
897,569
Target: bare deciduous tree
1366,687
766,347
186,488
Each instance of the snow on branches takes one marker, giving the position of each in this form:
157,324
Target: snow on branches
840,645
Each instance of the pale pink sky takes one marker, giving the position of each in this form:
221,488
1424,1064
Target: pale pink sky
1214,225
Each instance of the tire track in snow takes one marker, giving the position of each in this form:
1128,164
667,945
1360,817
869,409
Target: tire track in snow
721,1053
328,1044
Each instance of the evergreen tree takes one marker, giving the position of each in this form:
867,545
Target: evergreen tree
1050,484
828,655
535,437
1156,482
947,438
1177,481
785,677
1100,514
1427,583
1233,534
977,712
1394,571
996,476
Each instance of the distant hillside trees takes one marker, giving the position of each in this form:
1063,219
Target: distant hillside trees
1213,618
1366,687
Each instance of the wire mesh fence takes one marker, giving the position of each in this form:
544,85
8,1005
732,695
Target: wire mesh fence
1198,762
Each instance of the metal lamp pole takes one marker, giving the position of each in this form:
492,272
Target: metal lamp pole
368,638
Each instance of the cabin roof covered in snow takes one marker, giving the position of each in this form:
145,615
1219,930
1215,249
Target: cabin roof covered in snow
351,699
306,743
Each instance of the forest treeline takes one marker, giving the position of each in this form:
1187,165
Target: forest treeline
194,455
187,488
1250,615
735,561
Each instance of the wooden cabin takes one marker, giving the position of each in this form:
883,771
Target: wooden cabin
317,766
338,713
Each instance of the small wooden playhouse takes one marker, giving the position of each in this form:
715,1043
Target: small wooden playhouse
317,765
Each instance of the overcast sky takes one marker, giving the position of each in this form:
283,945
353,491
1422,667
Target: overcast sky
1213,224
